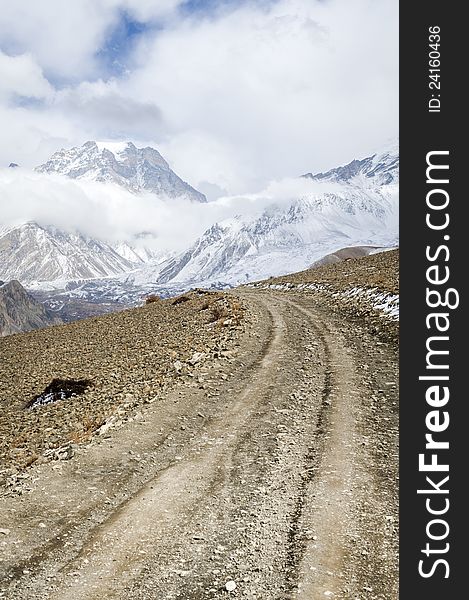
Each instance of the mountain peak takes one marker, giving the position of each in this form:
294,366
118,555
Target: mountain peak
115,147
121,163
31,252
379,168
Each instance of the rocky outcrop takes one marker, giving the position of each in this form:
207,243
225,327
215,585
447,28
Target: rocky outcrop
19,311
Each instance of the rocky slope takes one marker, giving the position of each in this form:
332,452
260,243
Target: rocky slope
136,169
365,289
131,357
19,311
379,270
345,254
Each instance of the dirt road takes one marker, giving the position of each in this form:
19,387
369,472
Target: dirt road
275,479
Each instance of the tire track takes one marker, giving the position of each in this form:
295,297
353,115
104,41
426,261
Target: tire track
156,513
333,498
268,491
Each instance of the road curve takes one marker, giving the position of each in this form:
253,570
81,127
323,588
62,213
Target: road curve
282,479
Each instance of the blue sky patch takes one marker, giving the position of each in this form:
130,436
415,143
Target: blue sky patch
207,7
119,44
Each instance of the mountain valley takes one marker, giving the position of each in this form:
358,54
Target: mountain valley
352,205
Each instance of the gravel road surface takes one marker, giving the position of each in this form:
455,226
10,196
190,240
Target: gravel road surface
274,478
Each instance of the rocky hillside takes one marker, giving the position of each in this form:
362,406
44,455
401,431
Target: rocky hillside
345,254
380,271
129,358
20,312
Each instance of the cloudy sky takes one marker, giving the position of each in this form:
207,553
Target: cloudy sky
233,93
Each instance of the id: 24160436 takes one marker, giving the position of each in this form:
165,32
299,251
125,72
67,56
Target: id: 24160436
434,84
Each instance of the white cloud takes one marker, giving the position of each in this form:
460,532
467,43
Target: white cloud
234,99
302,85
21,76
62,36
65,37
102,103
119,215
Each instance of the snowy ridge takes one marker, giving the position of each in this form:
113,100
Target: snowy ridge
136,169
381,168
32,253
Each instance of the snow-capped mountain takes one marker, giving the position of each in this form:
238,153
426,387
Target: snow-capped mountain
136,169
378,169
282,239
351,205
31,253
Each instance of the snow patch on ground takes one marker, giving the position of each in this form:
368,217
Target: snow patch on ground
384,302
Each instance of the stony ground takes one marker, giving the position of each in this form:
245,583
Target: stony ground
267,469
130,358
379,271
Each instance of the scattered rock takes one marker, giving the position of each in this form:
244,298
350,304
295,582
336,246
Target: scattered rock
230,586
196,358
63,453
107,426
177,365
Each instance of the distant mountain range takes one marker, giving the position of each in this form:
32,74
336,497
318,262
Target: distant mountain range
30,252
376,170
351,205
359,207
